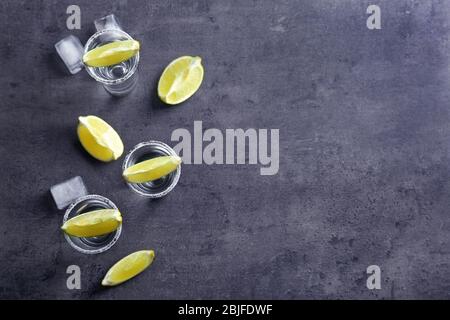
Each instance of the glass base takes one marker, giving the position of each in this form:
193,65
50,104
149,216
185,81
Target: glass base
124,88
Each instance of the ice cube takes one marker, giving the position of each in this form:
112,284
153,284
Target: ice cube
108,22
71,52
68,191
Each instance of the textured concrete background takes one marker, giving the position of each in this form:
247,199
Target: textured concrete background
364,150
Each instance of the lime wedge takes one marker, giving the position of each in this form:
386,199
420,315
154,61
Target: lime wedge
93,223
152,169
111,53
128,267
180,80
99,139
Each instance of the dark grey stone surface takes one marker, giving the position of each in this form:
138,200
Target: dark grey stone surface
364,150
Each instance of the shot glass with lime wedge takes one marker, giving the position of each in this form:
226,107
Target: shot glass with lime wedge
110,56
152,169
92,223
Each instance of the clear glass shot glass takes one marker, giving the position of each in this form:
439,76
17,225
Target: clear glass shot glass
145,151
119,79
92,245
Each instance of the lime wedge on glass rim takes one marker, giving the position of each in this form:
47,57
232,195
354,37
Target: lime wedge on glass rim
152,169
111,53
93,223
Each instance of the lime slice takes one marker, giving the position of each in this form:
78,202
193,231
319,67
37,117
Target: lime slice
180,80
152,169
128,267
111,53
99,139
93,223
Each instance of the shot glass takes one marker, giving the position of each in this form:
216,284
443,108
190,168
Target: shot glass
91,245
145,151
119,79
74,194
